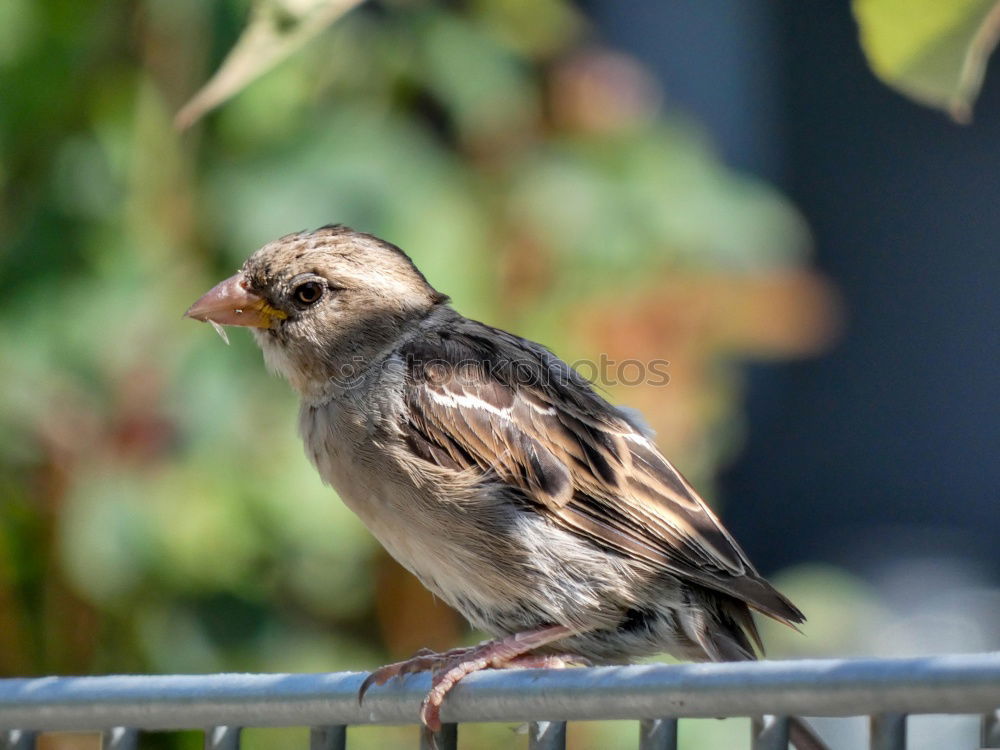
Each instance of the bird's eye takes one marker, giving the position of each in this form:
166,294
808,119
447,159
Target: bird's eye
308,293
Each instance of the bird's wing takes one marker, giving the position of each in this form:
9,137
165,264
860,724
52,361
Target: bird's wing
482,399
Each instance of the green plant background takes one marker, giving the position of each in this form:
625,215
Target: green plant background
156,511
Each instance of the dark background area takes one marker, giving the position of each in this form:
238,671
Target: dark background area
885,446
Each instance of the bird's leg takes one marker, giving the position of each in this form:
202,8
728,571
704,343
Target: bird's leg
430,714
451,666
502,653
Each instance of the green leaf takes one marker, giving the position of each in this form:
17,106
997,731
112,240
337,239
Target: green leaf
934,51
276,29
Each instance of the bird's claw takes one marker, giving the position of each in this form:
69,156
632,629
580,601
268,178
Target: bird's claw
424,660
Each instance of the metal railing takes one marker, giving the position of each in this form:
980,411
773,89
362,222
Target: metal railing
887,690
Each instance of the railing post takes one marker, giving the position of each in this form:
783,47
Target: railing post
658,734
120,738
19,739
446,739
888,732
547,735
769,733
222,738
328,738
990,730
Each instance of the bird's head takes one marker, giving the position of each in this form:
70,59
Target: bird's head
322,305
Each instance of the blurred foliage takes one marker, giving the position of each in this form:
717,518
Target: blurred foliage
156,511
934,52
276,29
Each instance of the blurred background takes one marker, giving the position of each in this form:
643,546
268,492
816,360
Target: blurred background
721,184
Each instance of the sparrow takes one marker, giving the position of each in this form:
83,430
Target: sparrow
491,470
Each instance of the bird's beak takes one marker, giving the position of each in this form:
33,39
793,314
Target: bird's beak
231,303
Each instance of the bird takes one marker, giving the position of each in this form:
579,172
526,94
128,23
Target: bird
491,470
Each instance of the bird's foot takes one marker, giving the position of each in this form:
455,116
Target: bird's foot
504,653
490,657
451,666
425,660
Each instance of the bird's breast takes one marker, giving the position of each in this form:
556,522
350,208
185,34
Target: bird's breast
451,552
337,444
496,562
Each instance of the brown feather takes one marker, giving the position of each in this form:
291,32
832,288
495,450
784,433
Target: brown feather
581,461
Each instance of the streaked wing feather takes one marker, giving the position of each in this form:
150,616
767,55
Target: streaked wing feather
581,461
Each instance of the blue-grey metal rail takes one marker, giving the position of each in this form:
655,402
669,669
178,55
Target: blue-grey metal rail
887,690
